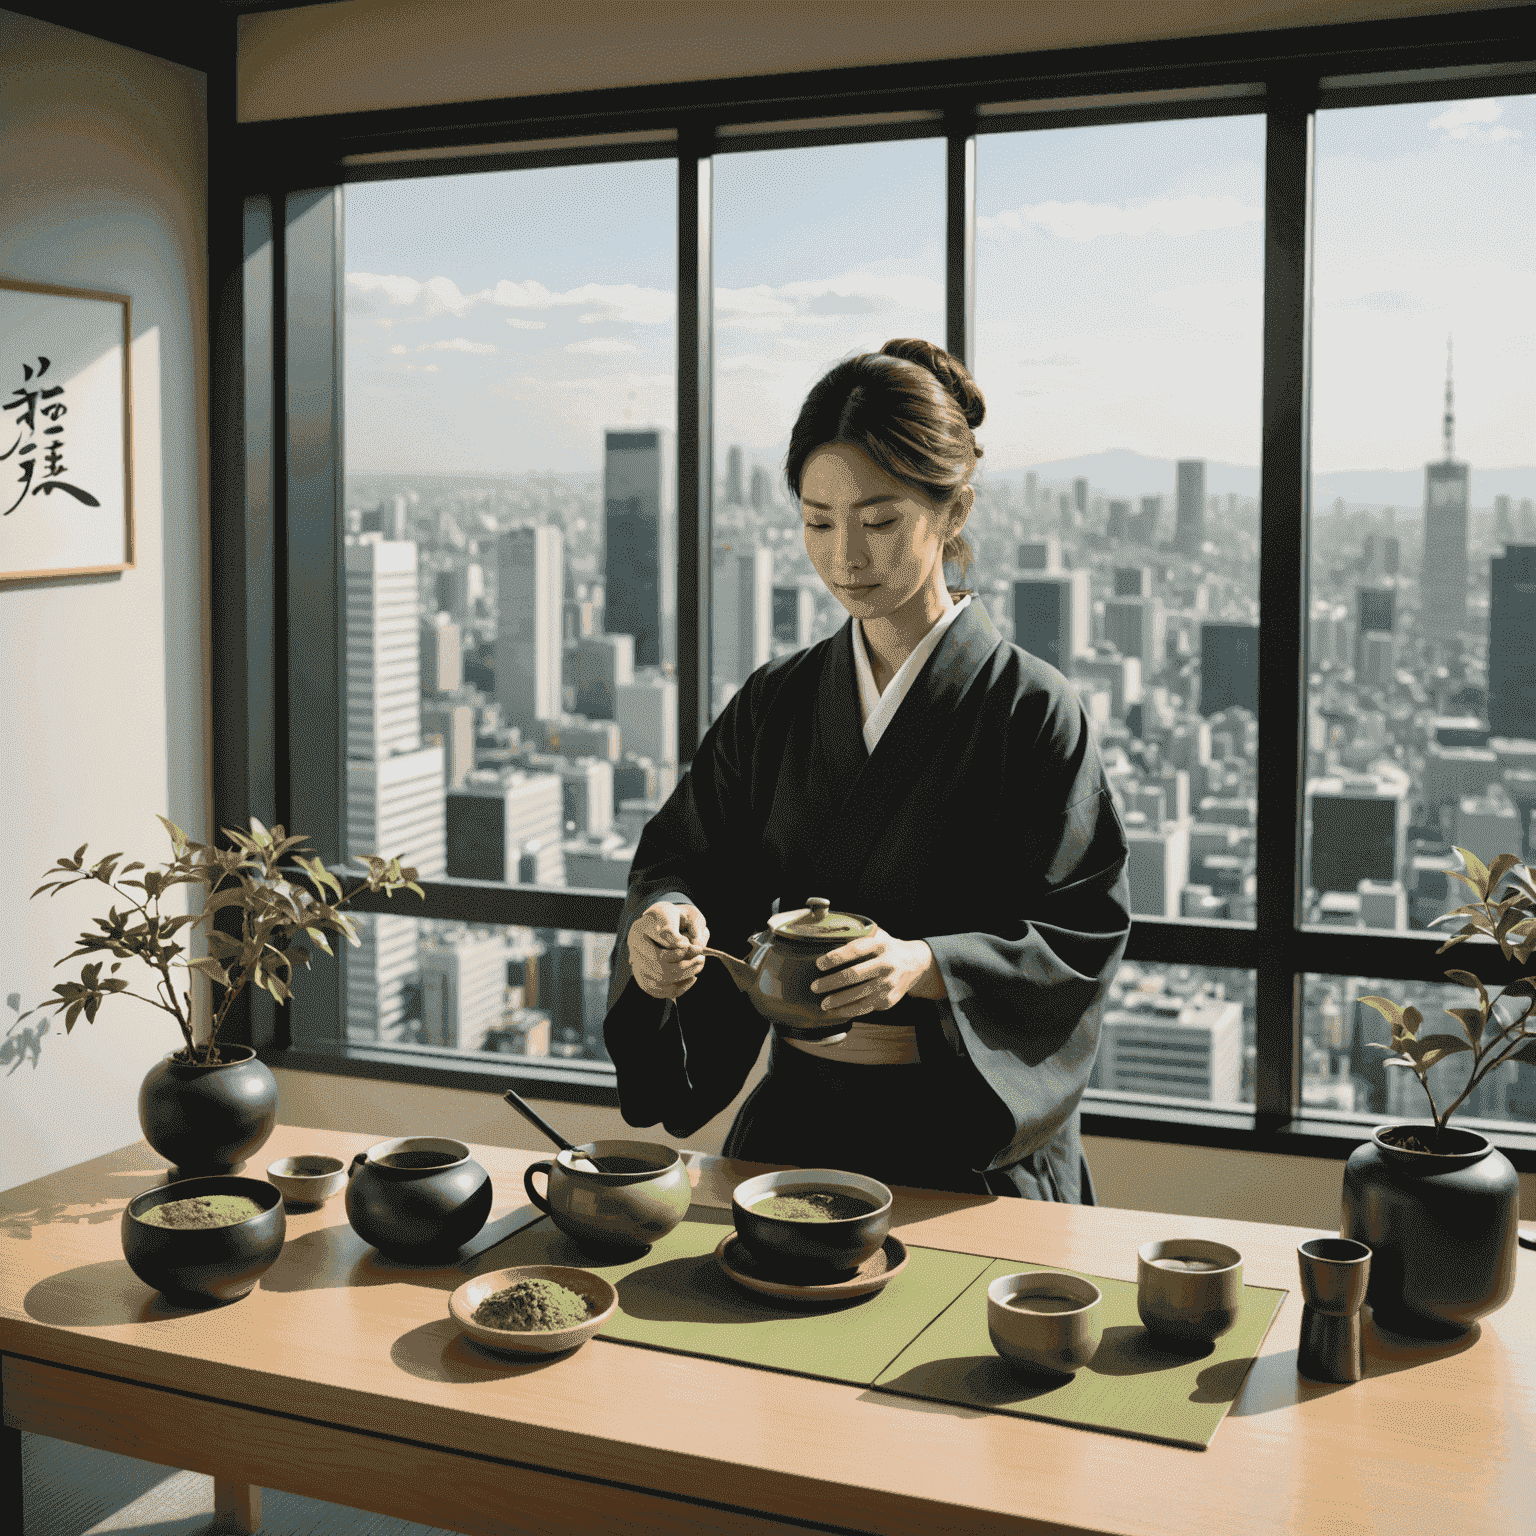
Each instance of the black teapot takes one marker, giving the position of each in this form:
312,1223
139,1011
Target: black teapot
417,1198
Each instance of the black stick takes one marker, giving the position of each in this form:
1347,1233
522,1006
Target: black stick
533,1117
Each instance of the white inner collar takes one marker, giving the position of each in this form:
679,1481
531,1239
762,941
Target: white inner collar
878,709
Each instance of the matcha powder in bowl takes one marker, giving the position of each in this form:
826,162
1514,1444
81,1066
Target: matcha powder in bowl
532,1305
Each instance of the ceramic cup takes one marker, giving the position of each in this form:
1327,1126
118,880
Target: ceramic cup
632,1207
1335,1275
1045,1320
1188,1289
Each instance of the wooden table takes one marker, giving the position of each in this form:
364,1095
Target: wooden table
340,1377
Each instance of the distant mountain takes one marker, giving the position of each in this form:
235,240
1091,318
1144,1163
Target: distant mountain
1124,472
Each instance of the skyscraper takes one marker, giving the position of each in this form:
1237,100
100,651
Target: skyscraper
530,599
1144,529
463,986
794,614
1512,643
741,607
1229,667
494,818
383,665
1357,829
1443,584
734,494
1187,1048
1189,530
1051,616
640,526
597,666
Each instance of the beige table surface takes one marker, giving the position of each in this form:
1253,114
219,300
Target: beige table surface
340,1377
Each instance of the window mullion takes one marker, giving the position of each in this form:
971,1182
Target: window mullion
960,236
695,445
1283,523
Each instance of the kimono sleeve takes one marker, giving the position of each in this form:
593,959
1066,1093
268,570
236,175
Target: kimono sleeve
679,1062
1023,1001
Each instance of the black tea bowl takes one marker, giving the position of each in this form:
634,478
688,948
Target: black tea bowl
193,1267
811,1250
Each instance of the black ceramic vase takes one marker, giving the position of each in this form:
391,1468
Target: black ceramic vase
417,1198
1442,1227
208,1120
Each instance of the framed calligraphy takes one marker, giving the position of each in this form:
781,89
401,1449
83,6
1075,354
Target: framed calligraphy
66,481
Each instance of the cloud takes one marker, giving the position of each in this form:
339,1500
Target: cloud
526,325
369,291
601,346
398,351
1163,216
772,310
1396,301
458,344
1467,120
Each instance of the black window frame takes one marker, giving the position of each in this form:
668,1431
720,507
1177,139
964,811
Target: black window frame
275,279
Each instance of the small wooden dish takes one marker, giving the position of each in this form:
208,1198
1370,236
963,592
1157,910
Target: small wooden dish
600,1297
735,1258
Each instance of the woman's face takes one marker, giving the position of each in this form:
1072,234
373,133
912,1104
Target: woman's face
874,541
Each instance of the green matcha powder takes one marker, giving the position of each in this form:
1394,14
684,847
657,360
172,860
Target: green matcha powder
814,1205
532,1305
202,1211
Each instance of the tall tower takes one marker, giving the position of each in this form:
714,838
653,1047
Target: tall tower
530,608
741,628
640,527
735,494
1189,530
1443,581
395,790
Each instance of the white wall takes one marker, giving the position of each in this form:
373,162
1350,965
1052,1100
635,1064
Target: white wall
102,679
365,54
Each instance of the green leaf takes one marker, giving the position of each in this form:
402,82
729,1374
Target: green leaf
1526,1053
1500,867
1471,982
1438,1047
1477,869
78,859
260,834
1471,1020
1390,1011
207,966
178,837
1412,1018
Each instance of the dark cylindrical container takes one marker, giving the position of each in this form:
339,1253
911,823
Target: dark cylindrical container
193,1267
208,1120
417,1198
1442,1227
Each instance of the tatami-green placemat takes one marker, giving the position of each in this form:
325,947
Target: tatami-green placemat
676,1298
1130,1387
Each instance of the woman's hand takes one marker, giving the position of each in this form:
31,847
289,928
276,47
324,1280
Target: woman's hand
666,948
887,969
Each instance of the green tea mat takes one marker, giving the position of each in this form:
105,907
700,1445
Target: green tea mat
676,1298
1130,1387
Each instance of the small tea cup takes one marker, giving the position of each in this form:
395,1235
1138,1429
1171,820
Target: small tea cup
644,1196
1045,1320
308,1179
1189,1288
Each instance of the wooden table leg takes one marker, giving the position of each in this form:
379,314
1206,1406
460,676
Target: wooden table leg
236,1505
10,1471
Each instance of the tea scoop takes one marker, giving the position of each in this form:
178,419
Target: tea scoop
534,1118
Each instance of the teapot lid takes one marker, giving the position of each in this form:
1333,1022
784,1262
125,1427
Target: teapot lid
814,921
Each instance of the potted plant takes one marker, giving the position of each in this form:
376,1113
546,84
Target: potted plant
208,1106
1438,1204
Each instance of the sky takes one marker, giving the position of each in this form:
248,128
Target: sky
498,323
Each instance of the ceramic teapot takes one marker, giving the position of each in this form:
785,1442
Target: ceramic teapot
777,975
417,1198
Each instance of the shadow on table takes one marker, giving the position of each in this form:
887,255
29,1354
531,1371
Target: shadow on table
1274,1381
95,1192
692,1290
333,1257
987,1381
438,1351
1129,1350
101,1296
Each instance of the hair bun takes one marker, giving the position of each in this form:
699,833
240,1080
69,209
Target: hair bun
948,370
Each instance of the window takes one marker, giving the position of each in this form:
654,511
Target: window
1421,729
509,574
1119,301
809,269
1203,288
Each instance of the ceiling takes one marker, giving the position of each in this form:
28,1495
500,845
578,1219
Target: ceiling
190,32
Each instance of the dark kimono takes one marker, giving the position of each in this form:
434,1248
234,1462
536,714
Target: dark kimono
982,824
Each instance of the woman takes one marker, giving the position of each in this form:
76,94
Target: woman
916,769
